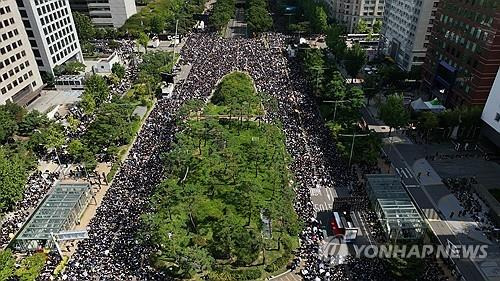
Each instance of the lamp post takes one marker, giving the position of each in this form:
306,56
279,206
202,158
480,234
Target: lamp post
354,135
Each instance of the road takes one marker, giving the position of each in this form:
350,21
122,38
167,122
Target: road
237,27
430,199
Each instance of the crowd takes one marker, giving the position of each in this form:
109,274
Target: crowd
130,60
113,251
472,205
37,186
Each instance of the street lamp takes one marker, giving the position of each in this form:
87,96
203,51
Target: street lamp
354,135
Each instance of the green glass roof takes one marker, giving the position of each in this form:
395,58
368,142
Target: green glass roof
58,211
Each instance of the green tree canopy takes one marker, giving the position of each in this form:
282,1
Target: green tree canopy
31,267
118,70
95,93
157,24
362,26
84,27
320,20
377,26
393,113
143,40
334,41
314,63
7,265
13,175
223,11
258,19
8,124
33,120
354,60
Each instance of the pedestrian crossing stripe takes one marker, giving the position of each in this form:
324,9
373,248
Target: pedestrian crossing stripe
404,172
431,214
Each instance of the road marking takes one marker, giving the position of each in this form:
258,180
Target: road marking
364,227
315,191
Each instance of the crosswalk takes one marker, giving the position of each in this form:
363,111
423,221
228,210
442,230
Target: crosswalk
404,173
323,207
431,214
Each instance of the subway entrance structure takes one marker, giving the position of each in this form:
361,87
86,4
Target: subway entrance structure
54,218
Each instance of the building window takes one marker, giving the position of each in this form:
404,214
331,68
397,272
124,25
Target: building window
497,117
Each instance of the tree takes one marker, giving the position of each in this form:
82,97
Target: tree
31,267
47,78
84,27
393,113
334,41
320,20
33,120
7,265
157,24
314,64
354,60
97,88
118,70
143,41
14,171
362,26
258,19
335,88
427,122
73,67
8,124
300,27
111,127
59,70
53,136
222,12
371,86
377,26
76,149
392,76
88,103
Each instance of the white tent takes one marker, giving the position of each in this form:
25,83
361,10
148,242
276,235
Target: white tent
433,105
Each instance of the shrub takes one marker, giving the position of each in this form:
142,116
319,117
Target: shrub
278,263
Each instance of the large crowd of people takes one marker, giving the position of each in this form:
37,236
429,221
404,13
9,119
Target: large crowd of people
471,203
37,186
113,251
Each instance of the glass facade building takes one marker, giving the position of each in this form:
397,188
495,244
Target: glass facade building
397,213
464,52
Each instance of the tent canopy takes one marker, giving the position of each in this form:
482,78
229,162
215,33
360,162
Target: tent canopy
433,105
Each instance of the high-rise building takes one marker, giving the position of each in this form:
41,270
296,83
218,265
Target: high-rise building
105,13
51,32
349,12
406,30
19,77
491,113
464,52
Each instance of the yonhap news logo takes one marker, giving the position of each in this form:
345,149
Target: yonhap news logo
421,251
336,247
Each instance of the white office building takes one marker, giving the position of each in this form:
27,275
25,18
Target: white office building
105,13
491,113
406,30
51,32
349,12
20,80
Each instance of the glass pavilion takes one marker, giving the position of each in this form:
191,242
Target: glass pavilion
58,212
396,212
